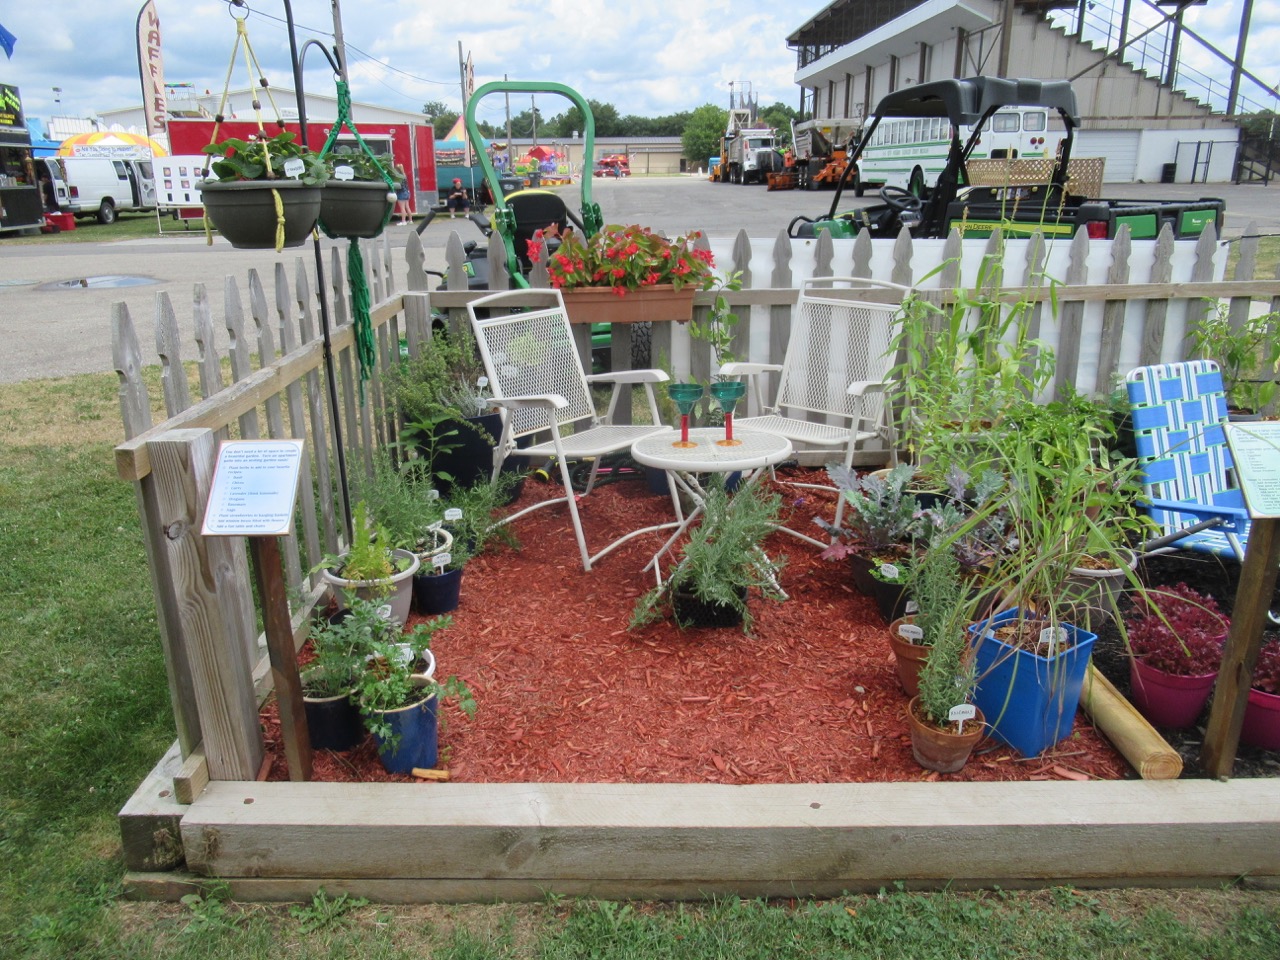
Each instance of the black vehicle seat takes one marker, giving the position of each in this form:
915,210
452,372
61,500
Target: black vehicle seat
535,210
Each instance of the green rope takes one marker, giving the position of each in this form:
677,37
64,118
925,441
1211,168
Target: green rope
360,320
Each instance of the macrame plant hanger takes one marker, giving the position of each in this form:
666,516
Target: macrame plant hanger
361,323
250,64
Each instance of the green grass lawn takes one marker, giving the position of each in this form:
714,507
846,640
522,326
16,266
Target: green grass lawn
84,714
128,226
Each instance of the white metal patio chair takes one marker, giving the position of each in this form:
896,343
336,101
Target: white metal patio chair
833,378
539,386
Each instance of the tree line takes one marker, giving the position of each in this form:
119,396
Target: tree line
699,130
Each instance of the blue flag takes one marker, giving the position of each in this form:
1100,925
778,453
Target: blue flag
7,40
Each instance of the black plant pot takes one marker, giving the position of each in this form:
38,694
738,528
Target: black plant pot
437,593
691,612
355,208
244,211
333,723
891,598
471,459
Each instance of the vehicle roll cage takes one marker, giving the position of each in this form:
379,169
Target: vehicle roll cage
969,102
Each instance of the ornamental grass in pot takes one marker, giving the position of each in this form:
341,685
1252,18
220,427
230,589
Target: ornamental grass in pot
1175,636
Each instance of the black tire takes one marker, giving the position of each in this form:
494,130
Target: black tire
859,188
641,346
107,212
915,185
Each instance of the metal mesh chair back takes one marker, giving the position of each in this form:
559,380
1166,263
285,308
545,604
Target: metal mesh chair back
1178,414
530,354
835,341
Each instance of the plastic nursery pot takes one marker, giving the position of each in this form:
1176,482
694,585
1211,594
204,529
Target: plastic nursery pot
355,208
244,211
1261,727
942,750
1166,699
333,723
435,593
1029,700
400,596
691,612
415,737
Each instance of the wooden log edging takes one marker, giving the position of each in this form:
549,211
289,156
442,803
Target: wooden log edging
466,842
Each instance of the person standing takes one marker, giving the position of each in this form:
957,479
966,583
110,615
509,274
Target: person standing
402,196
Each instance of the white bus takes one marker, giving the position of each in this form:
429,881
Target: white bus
911,152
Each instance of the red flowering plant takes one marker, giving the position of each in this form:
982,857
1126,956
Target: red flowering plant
626,258
1178,631
1266,672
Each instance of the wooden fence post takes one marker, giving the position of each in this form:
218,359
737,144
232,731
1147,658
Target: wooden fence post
201,573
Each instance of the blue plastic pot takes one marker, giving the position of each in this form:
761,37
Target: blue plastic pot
1029,701
418,744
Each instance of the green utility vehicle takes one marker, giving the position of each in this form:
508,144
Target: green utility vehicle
952,204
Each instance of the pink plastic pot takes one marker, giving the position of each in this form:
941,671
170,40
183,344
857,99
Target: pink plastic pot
1168,700
1261,726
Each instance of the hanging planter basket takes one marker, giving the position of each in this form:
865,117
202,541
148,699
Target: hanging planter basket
356,209
244,211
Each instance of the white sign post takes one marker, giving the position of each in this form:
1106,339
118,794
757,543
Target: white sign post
254,490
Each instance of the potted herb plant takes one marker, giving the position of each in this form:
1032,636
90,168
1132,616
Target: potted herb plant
1175,637
340,646
371,569
882,518
359,195
1248,356
401,707
1261,727
945,726
721,562
468,520
265,192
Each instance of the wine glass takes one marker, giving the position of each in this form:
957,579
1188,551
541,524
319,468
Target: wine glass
727,393
685,396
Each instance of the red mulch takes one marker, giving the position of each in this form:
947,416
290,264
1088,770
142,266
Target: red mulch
567,694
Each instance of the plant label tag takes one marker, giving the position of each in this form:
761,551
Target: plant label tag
433,494
441,560
453,513
343,173
1051,637
889,571
294,167
960,713
909,631
911,607
482,382
384,611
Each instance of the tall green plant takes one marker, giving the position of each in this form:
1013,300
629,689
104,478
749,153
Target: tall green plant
946,609
963,368
1248,355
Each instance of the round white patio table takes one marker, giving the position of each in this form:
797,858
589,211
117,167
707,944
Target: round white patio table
749,457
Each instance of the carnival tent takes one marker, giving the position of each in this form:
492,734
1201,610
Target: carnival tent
114,144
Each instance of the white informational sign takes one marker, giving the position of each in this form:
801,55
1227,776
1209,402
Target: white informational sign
1256,449
176,179
255,485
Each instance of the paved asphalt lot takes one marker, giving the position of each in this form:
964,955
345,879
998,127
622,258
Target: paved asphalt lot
50,330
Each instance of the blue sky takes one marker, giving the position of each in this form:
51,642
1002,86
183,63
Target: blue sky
644,58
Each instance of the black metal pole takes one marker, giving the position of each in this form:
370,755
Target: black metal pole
330,376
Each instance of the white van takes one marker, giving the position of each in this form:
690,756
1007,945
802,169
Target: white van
99,187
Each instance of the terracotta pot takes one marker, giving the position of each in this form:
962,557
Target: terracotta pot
1166,699
660,302
942,750
910,656
1261,727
